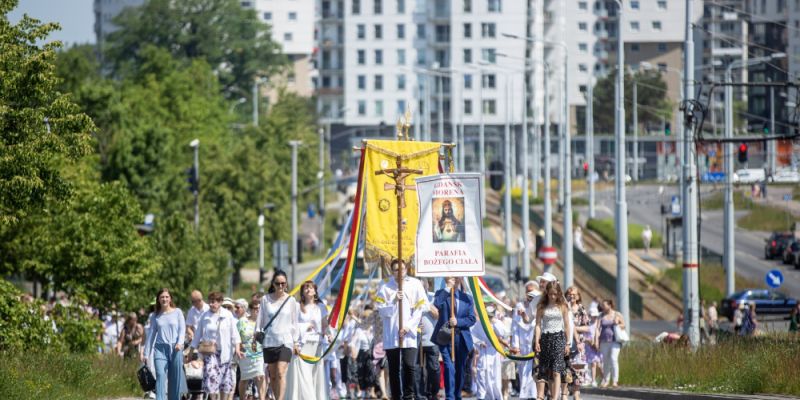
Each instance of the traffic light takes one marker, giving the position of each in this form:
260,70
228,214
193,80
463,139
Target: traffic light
766,128
667,128
743,153
585,169
496,175
194,183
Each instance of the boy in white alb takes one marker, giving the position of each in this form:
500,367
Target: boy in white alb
401,344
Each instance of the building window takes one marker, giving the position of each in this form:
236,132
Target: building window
467,56
662,4
467,107
489,55
378,108
467,31
662,67
378,57
292,16
488,30
401,106
635,47
467,6
362,57
401,82
490,107
246,4
662,47
287,36
442,33
583,47
355,8
635,26
401,57
268,16
401,31
467,81
582,26
362,108
378,31
582,68
495,6
420,31
489,81
362,82
656,25
634,4
377,7
361,31
420,57
378,82
583,6
401,6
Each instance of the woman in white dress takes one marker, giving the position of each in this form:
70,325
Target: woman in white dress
304,380
281,338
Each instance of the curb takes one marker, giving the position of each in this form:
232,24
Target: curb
657,394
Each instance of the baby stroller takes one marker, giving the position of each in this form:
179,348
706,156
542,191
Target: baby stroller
193,370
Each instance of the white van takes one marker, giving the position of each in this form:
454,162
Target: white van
750,175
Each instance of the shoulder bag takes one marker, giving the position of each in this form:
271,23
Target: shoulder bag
146,379
208,347
620,335
259,336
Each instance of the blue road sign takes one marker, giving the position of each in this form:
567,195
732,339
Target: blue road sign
787,197
676,206
774,278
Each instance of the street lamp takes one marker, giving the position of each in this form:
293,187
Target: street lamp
294,144
239,101
195,145
267,207
256,83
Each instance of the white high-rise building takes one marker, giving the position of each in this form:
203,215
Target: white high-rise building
104,13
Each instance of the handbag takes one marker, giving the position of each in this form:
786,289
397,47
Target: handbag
146,379
208,347
259,336
620,335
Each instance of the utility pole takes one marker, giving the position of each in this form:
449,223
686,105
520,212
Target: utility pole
195,144
691,301
260,248
548,201
294,144
526,207
321,178
728,253
621,202
635,131
440,114
481,143
507,168
772,144
567,162
590,141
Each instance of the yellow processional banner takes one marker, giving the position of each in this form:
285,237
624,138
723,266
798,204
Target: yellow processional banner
392,165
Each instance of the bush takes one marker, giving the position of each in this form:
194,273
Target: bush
605,228
516,197
493,253
767,364
45,374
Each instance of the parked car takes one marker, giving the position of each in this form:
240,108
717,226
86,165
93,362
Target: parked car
790,252
750,175
785,176
775,244
767,302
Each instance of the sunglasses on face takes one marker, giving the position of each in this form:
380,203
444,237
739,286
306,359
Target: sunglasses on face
280,283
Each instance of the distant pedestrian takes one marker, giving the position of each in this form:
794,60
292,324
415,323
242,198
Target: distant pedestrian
794,320
749,322
606,340
647,237
131,337
164,348
713,318
738,317
578,238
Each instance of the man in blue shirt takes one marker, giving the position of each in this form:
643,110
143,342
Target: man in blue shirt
459,324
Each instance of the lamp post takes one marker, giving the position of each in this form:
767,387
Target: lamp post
195,145
590,142
321,179
256,82
294,144
621,206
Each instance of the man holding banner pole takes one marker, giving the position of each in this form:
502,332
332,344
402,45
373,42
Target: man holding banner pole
452,334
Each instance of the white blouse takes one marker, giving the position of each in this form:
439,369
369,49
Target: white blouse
284,329
312,318
218,327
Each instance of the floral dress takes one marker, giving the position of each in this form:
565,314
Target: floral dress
578,361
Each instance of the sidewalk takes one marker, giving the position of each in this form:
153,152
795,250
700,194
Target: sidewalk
660,394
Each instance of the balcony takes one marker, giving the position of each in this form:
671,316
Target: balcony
331,16
601,54
330,43
601,13
330,91
602,34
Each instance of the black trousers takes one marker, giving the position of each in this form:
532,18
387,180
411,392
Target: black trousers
428,374
402,386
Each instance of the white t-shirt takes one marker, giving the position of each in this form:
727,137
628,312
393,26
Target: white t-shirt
193,315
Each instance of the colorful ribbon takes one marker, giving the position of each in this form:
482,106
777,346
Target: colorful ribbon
486,322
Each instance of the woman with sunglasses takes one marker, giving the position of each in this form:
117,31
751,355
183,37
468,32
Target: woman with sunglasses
281,338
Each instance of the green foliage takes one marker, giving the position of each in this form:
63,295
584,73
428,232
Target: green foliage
737,365
31,154
231,38
45,374
716,201
493,253
651,96
760,217
605,228
712,281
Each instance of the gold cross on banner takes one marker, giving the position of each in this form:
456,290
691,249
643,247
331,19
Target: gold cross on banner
399,176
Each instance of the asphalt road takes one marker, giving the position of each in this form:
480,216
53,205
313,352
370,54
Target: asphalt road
644,206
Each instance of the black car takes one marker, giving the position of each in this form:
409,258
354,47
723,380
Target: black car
776,243
791,252
767,302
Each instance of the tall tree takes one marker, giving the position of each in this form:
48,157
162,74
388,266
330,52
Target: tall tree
40,128
228,36
651,97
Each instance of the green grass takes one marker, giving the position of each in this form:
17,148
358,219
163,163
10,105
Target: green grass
796,193
493,253
712,281
760,218
66,376
745,366
716,201
605,228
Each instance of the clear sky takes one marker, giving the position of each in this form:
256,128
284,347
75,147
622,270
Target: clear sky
76,18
